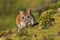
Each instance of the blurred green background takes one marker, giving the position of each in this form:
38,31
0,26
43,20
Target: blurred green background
9,9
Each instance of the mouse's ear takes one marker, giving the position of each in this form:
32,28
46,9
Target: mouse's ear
20,11
28,10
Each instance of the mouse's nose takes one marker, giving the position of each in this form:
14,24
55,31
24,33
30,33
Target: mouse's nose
28,23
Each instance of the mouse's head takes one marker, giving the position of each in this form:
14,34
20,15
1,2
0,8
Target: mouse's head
26,17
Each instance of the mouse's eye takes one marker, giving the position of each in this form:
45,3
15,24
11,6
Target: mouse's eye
22,17
28,16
